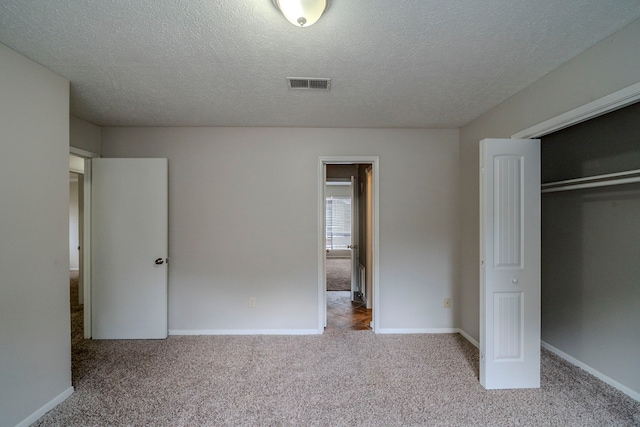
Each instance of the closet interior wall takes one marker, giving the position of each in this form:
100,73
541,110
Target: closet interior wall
591,246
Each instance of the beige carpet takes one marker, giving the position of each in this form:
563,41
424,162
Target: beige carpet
77,310
341,378
338,274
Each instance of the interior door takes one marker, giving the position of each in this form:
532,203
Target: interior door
355,256
129,248
510,263
369,267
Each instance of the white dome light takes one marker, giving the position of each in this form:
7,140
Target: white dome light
302,13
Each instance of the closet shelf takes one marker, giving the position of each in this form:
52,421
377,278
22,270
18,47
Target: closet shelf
617,178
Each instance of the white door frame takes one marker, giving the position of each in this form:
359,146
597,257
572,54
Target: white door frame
322,294
86,240
604,105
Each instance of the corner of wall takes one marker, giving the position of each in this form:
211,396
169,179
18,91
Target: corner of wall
35,344
85,135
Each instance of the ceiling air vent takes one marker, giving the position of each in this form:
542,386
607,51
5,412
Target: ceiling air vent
309,83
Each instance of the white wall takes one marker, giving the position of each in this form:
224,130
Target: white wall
590,292
35,346
76,164
84,135
231,239
607,67
337,190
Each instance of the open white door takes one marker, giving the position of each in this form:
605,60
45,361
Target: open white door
129,248
510,263
355,257
370,240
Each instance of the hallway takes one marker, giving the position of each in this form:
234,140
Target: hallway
347,315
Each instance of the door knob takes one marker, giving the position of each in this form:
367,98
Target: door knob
159,261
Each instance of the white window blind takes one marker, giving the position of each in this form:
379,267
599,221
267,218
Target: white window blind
338,215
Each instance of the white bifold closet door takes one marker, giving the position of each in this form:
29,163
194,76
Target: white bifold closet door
129,248
510,263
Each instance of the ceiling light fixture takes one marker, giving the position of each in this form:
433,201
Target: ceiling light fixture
302,13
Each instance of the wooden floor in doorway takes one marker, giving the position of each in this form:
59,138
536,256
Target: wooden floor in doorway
342,313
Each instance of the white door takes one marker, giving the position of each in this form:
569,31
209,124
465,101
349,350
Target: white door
510,263
355,258
129,248
369,238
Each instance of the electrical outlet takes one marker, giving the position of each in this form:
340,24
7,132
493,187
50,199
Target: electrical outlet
447,303
252,302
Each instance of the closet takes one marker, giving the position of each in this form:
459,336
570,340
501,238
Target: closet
591,243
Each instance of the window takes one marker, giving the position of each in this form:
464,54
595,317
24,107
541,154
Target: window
338,214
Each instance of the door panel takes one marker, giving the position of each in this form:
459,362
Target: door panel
510,263
369,239
129,248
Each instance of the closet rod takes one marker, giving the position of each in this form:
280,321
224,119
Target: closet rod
617,178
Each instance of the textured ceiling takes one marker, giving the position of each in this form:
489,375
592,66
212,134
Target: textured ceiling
402,63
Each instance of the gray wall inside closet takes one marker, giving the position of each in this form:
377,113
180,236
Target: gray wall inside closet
591,247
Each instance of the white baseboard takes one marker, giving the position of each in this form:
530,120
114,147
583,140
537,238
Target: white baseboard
74,269
244,332
626,390
469,338
46,408
417,331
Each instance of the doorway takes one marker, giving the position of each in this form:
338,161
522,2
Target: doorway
344,273
348,246
80,164
76,252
